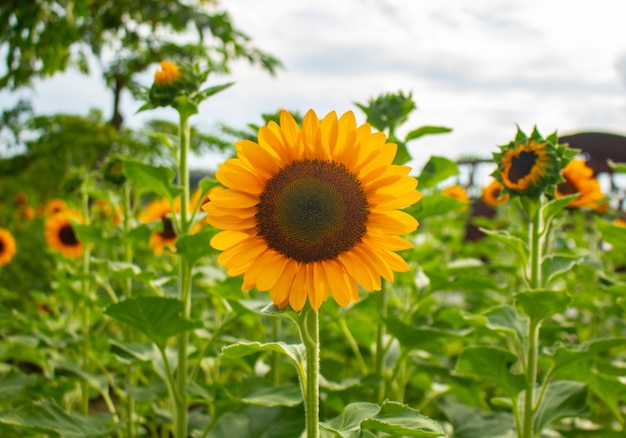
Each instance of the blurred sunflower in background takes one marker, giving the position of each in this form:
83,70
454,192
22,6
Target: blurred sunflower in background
579,179
493,195
7,247
313,210
458,192
61,236
54,206
159,210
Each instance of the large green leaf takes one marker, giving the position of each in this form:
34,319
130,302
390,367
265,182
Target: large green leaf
563,355
491,365
562,398
47,417
470,422
556,206
152,179
393,418
511,242
295,352
436,170
506,319
286,395
540,304
260,422
157,317
557,264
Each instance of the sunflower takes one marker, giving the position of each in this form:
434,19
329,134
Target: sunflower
54,206
7,247
492,194
528,166
579,179
456,191
313,210
60,234
620,222
20,198
167,74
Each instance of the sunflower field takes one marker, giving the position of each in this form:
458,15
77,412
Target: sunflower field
315,285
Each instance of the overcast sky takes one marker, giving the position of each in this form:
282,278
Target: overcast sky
479,67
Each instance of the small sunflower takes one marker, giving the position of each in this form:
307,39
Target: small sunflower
54,206
492,194
313,210
528,166
20,199
60,234
620,222
166,237
7,247
456,191
579,179
168,73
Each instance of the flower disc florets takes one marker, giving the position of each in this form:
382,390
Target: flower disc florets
529,166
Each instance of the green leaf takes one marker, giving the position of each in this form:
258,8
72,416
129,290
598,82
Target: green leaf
152,179
491,365
426,130
402,154
470,422
617,167
129,270
506,319
208,92
13,382
557,264
195,246
435,205
562,398
47,417
511,242
260,422
420,337
90,234
556,206
295,352
540,304
287,395
437,169
157,317
392,418
563,355
613,234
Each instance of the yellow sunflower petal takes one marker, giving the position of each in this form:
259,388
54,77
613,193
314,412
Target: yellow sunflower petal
227,239
298,295
280,291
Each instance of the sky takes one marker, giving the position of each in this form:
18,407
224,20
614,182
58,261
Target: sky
480,67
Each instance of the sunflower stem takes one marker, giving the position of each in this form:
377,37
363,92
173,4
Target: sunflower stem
184,281
381,304
127,288
532,354
310,333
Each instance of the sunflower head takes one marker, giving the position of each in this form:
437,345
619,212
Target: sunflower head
113,171
493,194
20,198
60,234
456,191
173,82
7,247
313,210
579,178
529,166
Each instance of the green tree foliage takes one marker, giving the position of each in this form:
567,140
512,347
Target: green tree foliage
45,37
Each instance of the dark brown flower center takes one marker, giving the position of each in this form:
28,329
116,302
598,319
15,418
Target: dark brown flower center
521,165
312,210
1,246
567,188
168,229
67,236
